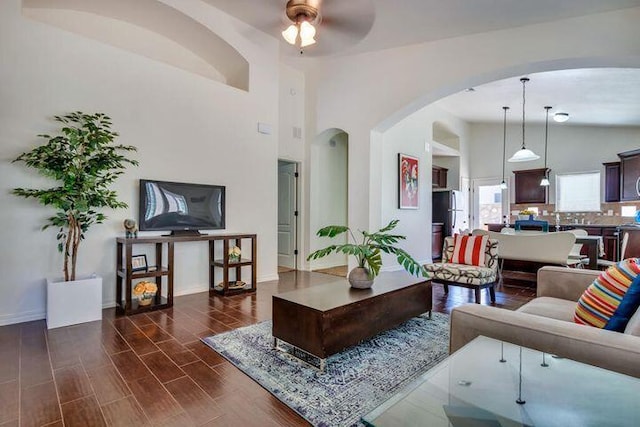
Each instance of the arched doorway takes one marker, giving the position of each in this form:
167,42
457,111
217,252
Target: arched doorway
328,195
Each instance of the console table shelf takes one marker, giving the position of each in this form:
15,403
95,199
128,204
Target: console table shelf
125,276
228,241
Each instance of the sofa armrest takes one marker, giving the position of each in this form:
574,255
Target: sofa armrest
564,283
607,349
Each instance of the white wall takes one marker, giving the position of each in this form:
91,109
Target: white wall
187,128
413,136
571,148
329,183
292,113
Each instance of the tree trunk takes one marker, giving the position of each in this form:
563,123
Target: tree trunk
74,250
67,248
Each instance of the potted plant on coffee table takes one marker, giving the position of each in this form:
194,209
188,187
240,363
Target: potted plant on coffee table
368,253
83,161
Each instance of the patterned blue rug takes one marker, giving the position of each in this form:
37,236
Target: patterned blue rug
354,382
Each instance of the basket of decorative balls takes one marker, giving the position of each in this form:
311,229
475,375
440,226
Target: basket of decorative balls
145,292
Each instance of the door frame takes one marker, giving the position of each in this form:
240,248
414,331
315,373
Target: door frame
474,211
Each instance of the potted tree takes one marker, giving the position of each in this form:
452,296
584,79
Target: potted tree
84,162
368,253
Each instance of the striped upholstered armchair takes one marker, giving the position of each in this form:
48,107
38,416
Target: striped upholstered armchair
468,276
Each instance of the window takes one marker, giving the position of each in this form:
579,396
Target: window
578,192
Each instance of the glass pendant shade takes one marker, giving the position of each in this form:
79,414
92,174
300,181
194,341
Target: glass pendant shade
307,34
503,185
561,117
290,34
544,182
524,155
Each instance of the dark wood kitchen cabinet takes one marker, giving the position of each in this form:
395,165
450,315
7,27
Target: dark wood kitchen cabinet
612,182
528,188
629,175
439,177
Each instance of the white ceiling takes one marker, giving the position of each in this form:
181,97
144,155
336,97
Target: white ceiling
591,97
595,96
394,23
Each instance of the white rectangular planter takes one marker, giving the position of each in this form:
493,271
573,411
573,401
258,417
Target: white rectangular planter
70,303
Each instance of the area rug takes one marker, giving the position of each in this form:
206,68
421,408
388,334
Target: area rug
354,382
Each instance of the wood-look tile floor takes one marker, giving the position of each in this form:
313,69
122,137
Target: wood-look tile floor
151,369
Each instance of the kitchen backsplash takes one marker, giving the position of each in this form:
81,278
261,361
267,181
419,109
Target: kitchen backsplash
610,214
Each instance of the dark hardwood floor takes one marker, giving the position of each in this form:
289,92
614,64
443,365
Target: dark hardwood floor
151,369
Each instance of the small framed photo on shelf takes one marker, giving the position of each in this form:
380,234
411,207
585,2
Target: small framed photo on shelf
139,263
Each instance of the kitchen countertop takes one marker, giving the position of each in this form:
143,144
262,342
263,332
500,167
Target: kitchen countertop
579,225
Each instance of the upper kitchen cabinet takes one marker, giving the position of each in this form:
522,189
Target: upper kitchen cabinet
439,176
612,182
629,175
528,188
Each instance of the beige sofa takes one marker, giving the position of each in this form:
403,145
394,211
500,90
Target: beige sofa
546,324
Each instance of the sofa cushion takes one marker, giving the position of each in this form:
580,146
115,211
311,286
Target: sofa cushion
628,306
461,273
633,327
469,250
553,308
601,299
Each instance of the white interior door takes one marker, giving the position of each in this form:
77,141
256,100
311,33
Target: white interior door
490,202
286,214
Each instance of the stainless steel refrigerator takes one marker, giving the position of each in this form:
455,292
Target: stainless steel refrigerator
450,209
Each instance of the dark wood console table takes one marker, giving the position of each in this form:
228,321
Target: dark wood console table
125,276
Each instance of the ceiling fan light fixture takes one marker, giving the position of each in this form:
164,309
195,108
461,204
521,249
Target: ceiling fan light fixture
307,34
561,117
303,15
290,34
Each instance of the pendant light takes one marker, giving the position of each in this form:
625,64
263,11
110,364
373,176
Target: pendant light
524,154
545,180
503,184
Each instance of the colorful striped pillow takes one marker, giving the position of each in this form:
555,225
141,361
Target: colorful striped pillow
469,250
601,299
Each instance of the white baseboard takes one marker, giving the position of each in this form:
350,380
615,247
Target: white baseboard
268,278
27,316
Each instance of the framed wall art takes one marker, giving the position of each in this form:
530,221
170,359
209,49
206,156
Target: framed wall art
408,185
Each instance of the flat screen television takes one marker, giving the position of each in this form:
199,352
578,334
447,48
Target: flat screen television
180,207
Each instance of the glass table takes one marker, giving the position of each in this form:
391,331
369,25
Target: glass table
472,387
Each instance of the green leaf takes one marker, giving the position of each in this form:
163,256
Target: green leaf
332,231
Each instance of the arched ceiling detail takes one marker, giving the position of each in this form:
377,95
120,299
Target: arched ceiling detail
149,28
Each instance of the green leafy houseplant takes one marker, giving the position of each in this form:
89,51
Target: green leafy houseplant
84,160
369,251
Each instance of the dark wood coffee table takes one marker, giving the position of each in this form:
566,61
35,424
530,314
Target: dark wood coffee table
325,319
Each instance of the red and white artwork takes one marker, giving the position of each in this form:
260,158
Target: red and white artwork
408,171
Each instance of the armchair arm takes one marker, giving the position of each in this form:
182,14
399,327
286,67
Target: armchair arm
607,349
564,283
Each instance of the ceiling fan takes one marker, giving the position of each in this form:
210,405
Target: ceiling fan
321,27
339,24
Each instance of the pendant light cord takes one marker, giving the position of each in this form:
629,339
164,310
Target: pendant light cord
504,140
546,137
524,80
